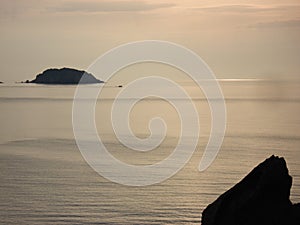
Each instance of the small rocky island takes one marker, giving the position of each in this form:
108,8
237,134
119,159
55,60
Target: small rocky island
261,198
64,76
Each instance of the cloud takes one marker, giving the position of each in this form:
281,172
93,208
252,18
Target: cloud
16,9
11,9
231,8
247,8
279,24
107,6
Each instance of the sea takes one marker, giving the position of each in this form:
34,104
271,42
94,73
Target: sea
44,178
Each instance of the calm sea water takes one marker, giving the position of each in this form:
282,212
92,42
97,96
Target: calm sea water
45,180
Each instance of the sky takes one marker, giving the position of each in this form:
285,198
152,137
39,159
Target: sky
237,39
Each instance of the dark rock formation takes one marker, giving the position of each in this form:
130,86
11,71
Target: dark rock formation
261,198
64,76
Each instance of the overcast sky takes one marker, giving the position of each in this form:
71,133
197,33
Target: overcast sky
238,39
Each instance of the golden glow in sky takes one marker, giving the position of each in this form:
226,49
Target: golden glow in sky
238,39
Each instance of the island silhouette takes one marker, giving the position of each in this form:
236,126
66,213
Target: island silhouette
64,76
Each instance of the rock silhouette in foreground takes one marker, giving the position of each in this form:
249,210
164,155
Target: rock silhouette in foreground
261,198
64,76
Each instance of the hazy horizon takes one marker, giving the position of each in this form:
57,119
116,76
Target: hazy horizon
155,143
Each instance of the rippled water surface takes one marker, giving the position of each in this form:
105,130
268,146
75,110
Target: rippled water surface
45,180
